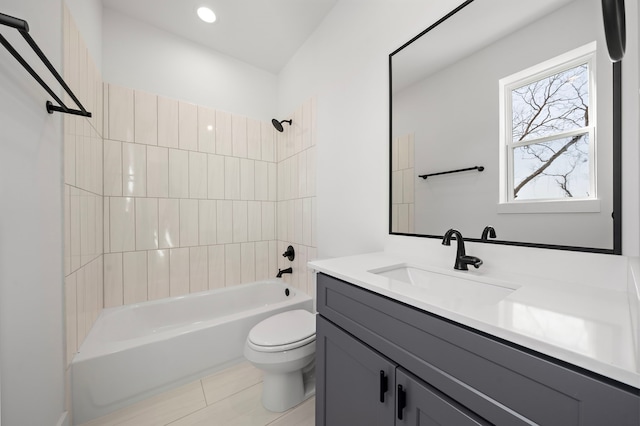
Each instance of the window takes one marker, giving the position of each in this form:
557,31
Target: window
548,130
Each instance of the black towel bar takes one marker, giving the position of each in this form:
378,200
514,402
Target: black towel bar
478,168
23,28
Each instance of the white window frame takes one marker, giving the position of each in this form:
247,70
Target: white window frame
507,203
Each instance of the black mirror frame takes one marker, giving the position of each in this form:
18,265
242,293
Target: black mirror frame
614,18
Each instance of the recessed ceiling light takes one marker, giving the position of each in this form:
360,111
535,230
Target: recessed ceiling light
206,14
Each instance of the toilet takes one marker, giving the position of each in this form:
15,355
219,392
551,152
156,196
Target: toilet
283,347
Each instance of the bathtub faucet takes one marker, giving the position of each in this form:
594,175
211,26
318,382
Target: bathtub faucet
284,271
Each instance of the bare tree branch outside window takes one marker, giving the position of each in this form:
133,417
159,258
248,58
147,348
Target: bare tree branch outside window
552,167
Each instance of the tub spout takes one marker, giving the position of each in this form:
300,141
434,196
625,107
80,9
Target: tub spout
284,271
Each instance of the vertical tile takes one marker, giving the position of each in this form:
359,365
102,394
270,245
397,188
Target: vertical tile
297,130
254,220
67,230
403,218
261,181
188,223
314,120
113,276
146,223
394,154
69,158
120,113
408,183
178,173
198,175
301,257
293,181
158,274
224,143
239,136
91,226
208,220
91,294
80,306
134,267
100,267
412,227
187,126
290,226
157,172
122,224
232,264
215,179
282,218
71,316
254,142
273,193
312,254
273,258
167,122
134,170
106,208
168,223
105,110
396,187
267,142
198,269
224,221
298,225
145,118
302,174
216,267
248,262
311,171
314,222
403,152
306,221
268,220
206,130
394,218
240,221
231,178
178,271
80,162
262,260
247,179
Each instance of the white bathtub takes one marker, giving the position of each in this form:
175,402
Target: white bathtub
135,351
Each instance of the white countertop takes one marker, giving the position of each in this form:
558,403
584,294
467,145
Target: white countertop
586,326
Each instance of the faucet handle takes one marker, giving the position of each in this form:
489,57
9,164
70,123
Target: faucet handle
488,232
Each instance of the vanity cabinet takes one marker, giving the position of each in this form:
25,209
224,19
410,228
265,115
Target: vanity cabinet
379,359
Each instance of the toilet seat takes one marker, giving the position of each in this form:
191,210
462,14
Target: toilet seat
282,332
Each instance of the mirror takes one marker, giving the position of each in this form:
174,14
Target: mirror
504,114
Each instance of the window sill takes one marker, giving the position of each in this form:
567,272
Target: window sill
554,206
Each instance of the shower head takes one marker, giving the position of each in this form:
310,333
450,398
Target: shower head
278,124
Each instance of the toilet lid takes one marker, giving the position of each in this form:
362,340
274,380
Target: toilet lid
284,329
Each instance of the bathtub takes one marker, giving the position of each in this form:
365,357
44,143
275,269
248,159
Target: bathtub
135,351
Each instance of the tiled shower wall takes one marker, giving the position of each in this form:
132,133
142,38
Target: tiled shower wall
297,195
403,179
83,200
190,198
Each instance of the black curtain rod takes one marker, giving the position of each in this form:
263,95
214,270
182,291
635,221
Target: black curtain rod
23,28
478,168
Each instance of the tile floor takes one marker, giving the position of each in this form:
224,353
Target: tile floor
227,398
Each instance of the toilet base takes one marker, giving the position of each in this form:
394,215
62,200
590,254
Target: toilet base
282,391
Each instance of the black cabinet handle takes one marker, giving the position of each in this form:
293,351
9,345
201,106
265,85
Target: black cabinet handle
402,401
384,385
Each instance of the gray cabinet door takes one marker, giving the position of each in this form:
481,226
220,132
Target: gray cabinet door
419,404
348,391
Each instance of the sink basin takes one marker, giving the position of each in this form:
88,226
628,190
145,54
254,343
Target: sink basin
450,291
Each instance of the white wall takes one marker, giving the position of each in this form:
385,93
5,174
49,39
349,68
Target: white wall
87,15
143,57
344,63
31,239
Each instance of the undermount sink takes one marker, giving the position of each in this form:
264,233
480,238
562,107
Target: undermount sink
450,291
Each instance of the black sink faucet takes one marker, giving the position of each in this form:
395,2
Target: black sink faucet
462,260
488,232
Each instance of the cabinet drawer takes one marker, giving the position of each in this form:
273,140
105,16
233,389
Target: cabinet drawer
496,380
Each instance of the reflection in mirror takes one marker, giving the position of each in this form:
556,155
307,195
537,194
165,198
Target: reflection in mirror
525,96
